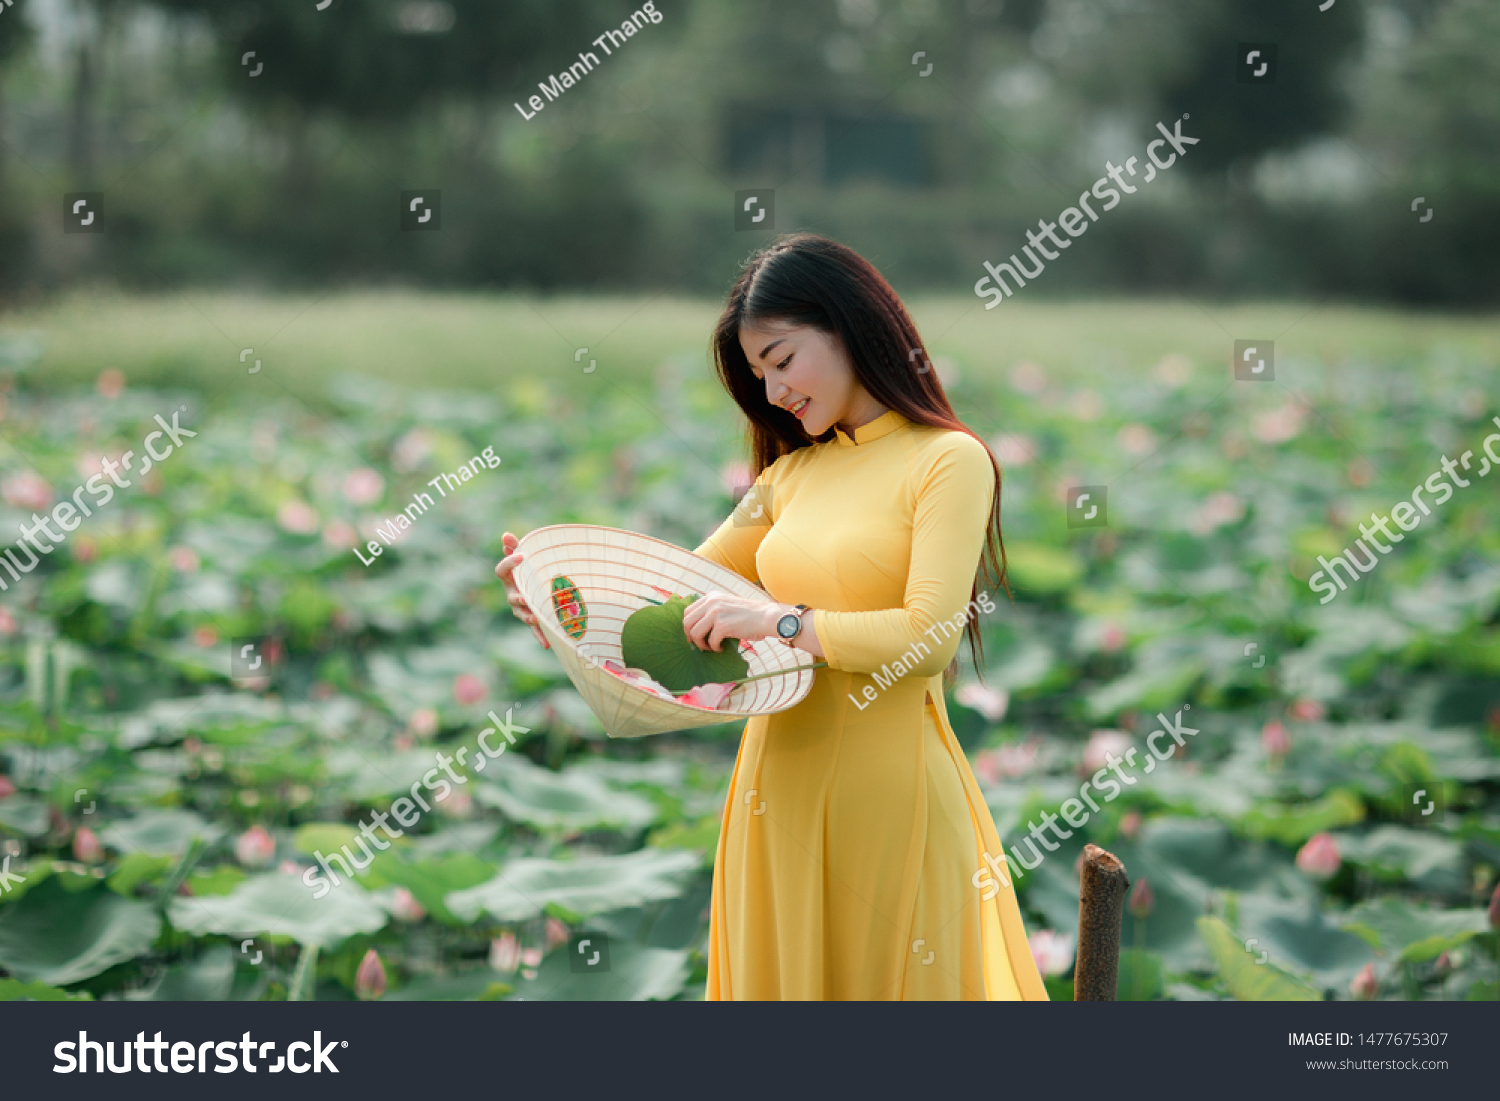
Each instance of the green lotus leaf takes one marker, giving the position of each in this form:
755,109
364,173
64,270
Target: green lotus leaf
56,936
653,639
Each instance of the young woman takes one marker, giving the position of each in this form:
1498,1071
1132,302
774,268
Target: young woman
854,836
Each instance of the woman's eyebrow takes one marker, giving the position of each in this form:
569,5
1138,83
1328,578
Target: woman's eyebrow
766,350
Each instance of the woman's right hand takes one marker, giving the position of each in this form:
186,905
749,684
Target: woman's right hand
503,571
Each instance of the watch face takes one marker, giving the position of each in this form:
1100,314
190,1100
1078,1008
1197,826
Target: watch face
787,626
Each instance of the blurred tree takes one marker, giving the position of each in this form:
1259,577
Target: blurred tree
16,35
1162,58
386,59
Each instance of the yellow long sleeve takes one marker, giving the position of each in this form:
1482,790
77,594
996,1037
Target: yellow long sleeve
948,527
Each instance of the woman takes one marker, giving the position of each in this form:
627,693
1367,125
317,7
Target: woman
854,834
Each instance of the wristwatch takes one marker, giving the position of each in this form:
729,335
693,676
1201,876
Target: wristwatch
789,626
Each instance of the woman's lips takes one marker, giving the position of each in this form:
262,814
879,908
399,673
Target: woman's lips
798,412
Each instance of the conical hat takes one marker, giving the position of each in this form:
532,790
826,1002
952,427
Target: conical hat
582,581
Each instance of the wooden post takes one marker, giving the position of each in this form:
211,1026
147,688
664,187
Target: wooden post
1101,904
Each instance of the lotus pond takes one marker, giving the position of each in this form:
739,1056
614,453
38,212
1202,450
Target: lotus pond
165,792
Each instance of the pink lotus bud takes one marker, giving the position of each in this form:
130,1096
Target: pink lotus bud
27,490
1130,825
1053,952
1275,740
1111,638
369,980
255,848
1142,899
460,804
289,867
1308,711
363,486
505,953
339,535
1319,858
183,559
1443,967
1363,986
1495,908
405,907
1013,449
110,383
992,703
530,957
87,848
736,477
710,696
1103,745
557,933
297,517
7,789
468,689
7,622
423,722
205,638
403,742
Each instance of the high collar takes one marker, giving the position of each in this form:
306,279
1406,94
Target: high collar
882,425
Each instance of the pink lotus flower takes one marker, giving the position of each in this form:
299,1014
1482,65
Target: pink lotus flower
1012,759
411,449
1136,439
339,535
405,907
1111,638
27,490
459,804
1174,369
183,559
205,638
1275,740
1086,405
1013,449
297,517
1104,745
1363,986
1028,378
710,696
1142,899
644,681
992,703
736,477
7,622
369,980
1053,952
110,383
1278,425
557,933
7,789
1130,824
1320,858
1308,711
468,689
87,848
255,848
530,957
363,486
423,722
505,953
1220,508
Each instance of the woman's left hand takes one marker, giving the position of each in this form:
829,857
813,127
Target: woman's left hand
715,616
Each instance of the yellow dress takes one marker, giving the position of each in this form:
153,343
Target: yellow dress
850,852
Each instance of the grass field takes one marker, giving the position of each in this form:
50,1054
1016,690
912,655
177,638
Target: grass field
474,341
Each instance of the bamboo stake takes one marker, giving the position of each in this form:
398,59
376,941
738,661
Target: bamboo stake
1101,903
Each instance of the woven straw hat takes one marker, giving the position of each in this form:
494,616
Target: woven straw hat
582,581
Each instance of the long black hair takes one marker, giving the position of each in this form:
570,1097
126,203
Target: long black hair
806,279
